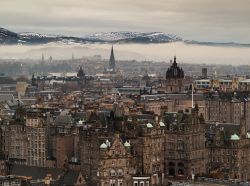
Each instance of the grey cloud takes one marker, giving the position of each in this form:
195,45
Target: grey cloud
220,20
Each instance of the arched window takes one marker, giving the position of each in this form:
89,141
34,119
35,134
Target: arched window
112,172
180,168
171,169
120,172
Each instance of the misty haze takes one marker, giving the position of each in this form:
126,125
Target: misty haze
187,53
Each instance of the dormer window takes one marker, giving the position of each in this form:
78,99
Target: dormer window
112,172
120,172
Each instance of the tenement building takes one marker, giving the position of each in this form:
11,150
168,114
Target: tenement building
228,108
36,136
185,144
228,148
116,163
15,138
107,160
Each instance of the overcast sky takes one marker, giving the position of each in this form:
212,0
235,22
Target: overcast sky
203,20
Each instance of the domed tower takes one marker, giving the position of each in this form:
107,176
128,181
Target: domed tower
174,78
81,75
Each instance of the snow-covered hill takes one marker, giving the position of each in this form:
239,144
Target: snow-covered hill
151,37
8,37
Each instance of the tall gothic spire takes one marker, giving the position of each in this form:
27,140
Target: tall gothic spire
112,60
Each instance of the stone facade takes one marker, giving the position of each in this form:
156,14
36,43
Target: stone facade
185,145
228,150
115,166
16,143
36,135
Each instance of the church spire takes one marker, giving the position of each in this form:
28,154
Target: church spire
175,63
112,60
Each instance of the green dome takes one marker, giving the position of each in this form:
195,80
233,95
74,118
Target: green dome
248,135
126,144
235,137
162,124
103,146
149,125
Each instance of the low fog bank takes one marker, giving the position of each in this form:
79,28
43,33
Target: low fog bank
185,53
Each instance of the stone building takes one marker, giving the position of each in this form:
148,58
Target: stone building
228,147
36,134
25,138
105,159
15,138
116,163
64,140
90,141
62,149
147,139
244,85
228,108
185,152
150,150
174,78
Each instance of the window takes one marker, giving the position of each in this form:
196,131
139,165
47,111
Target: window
141,183
112,182
112,172
135,183
120,172
120,182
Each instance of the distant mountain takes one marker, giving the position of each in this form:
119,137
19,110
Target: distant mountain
134,37
8,37
216,43
29,38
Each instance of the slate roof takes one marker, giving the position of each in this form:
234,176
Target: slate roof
63,120
35,172
227,129
6,97
70,178
197,97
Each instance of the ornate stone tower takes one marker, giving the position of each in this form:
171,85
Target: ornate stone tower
174,78
81,76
